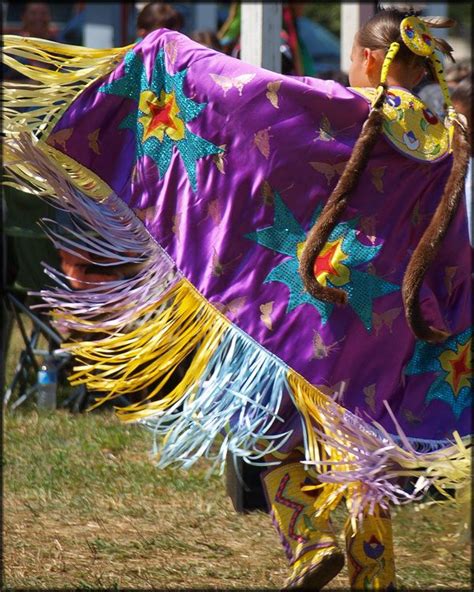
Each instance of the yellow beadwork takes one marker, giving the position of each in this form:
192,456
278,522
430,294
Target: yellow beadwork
410,126
389,56
309,542
370,556
416,36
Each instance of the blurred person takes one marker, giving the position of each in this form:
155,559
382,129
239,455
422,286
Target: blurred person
461,97
36,21
295,58
457,72
158,15
429,90
72,33
207,38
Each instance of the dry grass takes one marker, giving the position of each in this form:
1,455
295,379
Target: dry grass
84,507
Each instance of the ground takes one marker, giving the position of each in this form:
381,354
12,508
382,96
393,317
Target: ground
85,507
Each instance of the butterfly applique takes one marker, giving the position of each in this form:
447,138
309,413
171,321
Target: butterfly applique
416,217
369,396
367,227
377,174
272,92
329,170
325,132
266,314
145,214
335,391
219,268
60,138
93,139
176,219
171,50
449,273
214,211
227,83
411,417
219,159
232,308
322,350
385,319
267,193
261,140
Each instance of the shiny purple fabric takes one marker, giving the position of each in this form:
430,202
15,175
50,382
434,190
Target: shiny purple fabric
268,150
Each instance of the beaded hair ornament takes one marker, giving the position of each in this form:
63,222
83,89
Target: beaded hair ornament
417,36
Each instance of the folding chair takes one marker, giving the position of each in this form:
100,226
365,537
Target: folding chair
24,247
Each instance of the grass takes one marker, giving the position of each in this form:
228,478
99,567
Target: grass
84,507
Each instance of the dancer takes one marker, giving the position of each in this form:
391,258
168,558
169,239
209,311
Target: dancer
302,238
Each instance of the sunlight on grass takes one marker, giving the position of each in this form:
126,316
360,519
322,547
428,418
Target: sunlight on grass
84,506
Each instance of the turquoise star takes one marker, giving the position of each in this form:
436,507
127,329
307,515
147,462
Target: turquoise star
132,85
286,235
427,359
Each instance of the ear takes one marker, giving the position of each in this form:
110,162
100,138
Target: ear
369,60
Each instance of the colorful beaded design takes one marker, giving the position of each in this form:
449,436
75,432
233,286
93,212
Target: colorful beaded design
410,126
416,36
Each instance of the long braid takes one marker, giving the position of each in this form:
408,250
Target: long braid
429,244
336,204
337,201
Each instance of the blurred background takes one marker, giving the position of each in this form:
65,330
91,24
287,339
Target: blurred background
316,25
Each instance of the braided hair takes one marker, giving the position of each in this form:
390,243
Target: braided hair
380,32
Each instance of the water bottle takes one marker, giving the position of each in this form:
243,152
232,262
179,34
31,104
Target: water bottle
47,382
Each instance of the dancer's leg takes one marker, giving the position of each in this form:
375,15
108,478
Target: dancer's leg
309,542
370,557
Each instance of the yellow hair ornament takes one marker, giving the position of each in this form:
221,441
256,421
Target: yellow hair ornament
389,56
417,37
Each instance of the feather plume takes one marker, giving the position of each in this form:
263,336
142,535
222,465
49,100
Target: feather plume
444,47
439,22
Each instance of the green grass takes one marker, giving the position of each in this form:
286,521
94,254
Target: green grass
85,507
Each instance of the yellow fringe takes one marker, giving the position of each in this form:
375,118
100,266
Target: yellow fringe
450,467
313,406
68,70
125,362
33,181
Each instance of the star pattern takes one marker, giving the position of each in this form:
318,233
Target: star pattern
451,364
162,111
336,265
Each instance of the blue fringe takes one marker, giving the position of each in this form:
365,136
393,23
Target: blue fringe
236,401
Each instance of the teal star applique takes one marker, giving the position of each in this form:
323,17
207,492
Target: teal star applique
162,111
335,265
451,363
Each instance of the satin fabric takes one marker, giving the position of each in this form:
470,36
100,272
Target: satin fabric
276,147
